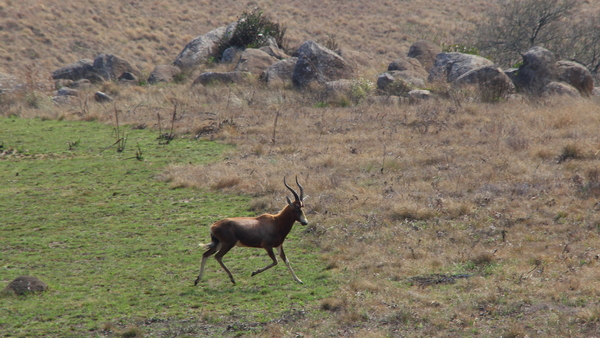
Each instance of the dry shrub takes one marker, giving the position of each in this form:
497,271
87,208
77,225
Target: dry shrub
483,258
515,332
570,151
262,204
332,304
226,183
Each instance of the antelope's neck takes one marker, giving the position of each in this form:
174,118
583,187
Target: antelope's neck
285,218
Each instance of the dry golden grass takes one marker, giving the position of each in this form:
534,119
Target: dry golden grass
469,194
53,34
506,193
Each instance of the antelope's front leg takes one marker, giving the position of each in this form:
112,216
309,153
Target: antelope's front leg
287,263
272,255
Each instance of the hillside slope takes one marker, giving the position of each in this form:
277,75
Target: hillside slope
51,34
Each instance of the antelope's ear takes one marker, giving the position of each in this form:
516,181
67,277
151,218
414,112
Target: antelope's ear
288,201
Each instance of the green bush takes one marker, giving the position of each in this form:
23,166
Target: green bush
361,88
253,30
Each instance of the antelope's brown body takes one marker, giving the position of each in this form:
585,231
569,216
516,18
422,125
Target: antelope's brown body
265,231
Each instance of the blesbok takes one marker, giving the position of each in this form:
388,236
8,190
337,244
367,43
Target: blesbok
265,231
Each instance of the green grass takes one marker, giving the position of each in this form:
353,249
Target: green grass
118,247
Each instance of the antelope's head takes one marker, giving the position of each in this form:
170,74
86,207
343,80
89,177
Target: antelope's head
297,204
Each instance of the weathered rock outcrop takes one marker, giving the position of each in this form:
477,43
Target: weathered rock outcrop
400,78
418,95
102,97
560,88
319,64
163,73
450,66
275,52
407,63
254,61
576,75
105,67
491,81
221,78
81,69
425,52
110,67
407,70
280,72
538,69
232,54
201,48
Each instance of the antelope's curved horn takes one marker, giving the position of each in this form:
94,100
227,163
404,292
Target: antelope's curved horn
292,190
301,189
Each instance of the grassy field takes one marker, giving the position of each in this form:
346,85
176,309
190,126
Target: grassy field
445,218
118,247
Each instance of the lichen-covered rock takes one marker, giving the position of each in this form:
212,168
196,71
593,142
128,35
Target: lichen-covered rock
537,71
211,78
280,72
254,61
406,63
560,88
66,91
425,52
318,64
418,95
577,76
201,48
23,285
110,67
102,97
392,81
450,66
491,81
232,54
81,69
105,67
275,52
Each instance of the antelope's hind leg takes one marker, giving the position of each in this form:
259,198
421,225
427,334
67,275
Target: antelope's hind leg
219,257
287,263
211,250
272,255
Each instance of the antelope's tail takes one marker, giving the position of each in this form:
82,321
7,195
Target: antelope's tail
213,244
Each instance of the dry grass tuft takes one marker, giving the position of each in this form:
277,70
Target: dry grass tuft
226,183
332,304
363,285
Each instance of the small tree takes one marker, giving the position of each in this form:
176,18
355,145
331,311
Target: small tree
583,42
514,26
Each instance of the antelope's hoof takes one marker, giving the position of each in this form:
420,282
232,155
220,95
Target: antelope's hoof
254,273
196,282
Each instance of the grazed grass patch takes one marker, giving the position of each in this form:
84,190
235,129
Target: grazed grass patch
117,246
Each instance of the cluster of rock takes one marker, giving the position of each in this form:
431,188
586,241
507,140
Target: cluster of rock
424,66
539,74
